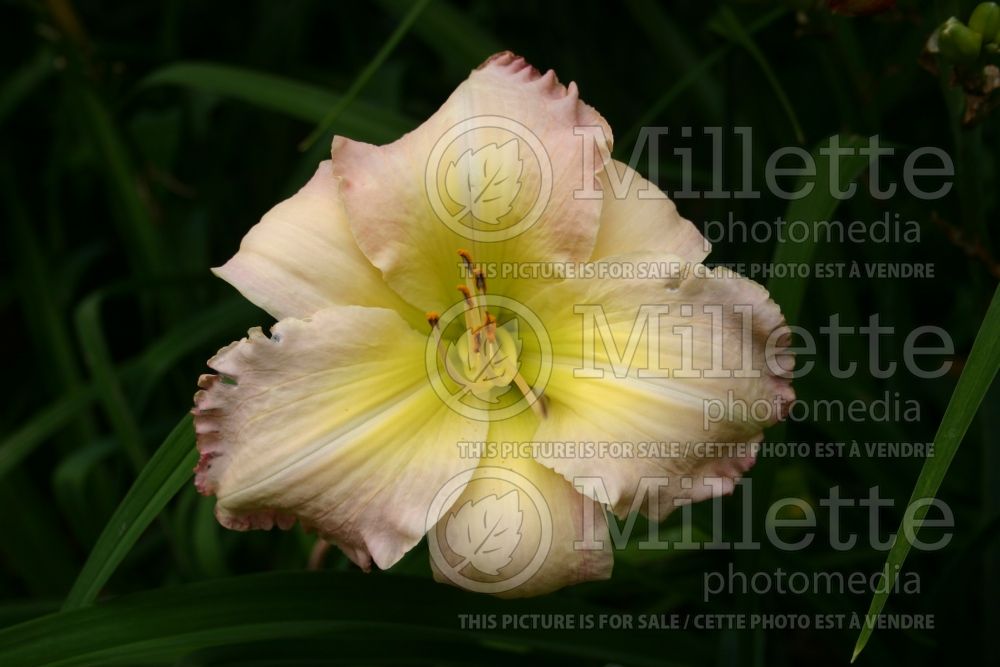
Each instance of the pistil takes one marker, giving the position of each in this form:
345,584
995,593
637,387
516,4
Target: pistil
489,356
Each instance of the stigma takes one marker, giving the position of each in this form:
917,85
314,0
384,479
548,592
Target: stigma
483,359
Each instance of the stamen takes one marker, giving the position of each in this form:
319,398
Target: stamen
475,322
536,402
434,319
484,369
472,323
490,327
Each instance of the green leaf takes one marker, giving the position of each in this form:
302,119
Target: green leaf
977,376
208,326
364,647
694,75
22,82
730,26
20,444
106,381
34,544
132,215
672,44
35,277
18,611
328,121
299,100
816,206
162,625
167,471
461,42
140,374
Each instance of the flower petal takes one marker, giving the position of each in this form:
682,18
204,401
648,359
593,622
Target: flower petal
330,420
478,183
541,527
301,258
630,404
639,217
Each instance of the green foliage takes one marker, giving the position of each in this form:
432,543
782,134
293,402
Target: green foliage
140,144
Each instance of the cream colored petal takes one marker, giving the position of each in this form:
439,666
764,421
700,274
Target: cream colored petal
301,258
519,529
639,217
330,420
401,197
635,404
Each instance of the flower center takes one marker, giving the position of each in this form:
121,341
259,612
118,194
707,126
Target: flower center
484,357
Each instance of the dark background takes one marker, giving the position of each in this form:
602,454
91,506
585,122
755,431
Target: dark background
126,173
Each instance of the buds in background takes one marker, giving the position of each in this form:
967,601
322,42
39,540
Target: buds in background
961,44
957,43
985,20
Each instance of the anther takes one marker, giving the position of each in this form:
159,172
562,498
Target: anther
433,319
480,280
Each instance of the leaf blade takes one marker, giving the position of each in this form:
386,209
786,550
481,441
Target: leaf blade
299,100
330,118
818,205
167,471
166,623
977,376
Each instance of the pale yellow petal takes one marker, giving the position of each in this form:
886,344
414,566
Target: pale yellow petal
330,420
458,181
519,529
664,394
639,217
301,258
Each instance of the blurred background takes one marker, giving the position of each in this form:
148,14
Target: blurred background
140,141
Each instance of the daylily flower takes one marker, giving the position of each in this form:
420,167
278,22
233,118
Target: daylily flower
352,415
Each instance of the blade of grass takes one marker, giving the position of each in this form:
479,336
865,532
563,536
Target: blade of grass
77,487
461,43
326,125
673,46
55,344
977,376
817,206
34,545
167,623
971,151
16,447
692,76
730,26
206,540
134,223
208,326
368,648
22,82
788,292
293,98
18,611
106,381
142,374
35,280
167,471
